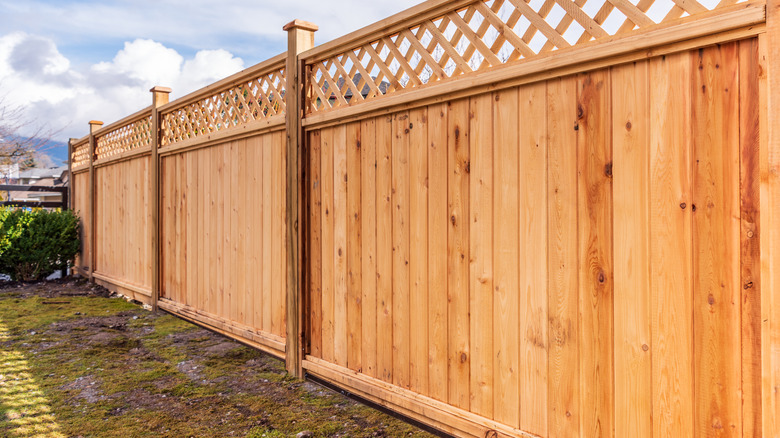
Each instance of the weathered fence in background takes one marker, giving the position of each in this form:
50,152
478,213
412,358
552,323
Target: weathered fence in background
544,218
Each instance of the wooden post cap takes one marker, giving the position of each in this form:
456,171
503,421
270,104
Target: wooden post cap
160,95
94,125
159,89
300,24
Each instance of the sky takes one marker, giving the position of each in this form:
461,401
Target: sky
66,62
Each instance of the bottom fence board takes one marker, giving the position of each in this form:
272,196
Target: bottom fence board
439,415
269,343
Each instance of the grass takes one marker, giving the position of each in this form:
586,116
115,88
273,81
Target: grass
75,362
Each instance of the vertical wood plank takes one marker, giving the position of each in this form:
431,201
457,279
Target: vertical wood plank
384,247
353,249
259,231
285,293
438,221
532,169
750,251
769,86
563,367
671,250
631,149
481,253
716,225
401,233
315,244
192,240
253,229
340,244
235,299
268,232
204,167
418,249
222,224
241,185
506,253
594,157
458,340
327,244
368,203
277,215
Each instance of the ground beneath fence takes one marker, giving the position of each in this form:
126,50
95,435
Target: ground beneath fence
76,361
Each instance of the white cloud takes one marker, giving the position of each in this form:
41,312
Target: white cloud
36,76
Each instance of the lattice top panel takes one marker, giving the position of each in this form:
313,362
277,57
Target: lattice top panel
476,37
80,154
251,99
133,135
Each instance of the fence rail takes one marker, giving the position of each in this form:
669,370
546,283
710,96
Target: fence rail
501,218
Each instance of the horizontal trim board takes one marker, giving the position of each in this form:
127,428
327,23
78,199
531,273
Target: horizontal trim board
124,156
272,344
408,402
124,284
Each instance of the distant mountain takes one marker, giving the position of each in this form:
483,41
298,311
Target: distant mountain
58,151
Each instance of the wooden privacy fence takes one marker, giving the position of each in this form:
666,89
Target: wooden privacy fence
545,218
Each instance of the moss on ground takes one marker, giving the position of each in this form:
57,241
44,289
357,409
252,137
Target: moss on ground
75,362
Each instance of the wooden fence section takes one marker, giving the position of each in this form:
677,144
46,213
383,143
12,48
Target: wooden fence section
564,258
223,253
501,218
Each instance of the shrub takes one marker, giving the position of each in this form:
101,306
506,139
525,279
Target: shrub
34,244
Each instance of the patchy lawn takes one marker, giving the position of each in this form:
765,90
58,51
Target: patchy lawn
76,362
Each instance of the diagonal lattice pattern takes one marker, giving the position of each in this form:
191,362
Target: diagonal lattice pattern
253,99
134,135
80,154
476,37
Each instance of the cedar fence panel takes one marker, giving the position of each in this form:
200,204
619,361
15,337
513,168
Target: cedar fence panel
499,218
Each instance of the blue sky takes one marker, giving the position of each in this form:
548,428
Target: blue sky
68,61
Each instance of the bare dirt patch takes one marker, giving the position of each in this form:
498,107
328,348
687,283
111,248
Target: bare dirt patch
100,366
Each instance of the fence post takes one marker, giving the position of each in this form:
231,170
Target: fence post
94,125
300,37
160,97
769,235
69,205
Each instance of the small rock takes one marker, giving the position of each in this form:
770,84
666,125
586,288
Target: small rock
33,332
135,317
77,313
304,434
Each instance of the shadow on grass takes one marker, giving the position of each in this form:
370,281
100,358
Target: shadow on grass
22,403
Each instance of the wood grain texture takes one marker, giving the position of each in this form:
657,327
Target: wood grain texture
506,248
438,224
481,253
401,234
418,250
458,343
596,275
671,250
532,266
384,246
354,249
631,195
314,250
750,251
328,269
716,248
368,208
564,371
339,248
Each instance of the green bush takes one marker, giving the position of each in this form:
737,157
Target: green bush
34,244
